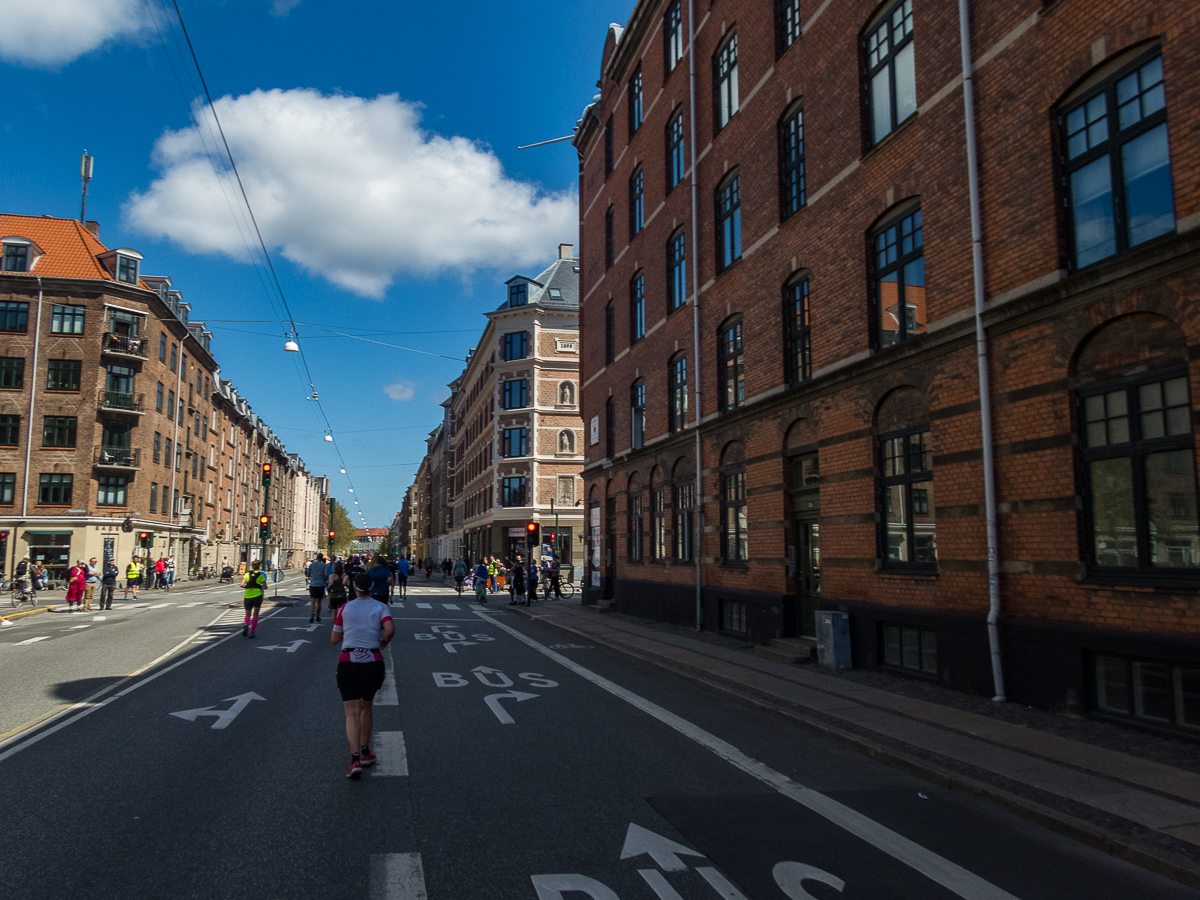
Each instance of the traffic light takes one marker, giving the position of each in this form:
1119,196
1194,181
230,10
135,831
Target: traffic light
145,540
331,535
531,535
264,527
266,467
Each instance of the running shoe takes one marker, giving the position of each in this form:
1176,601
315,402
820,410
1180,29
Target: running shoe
245,631
355,770
368,758
251,634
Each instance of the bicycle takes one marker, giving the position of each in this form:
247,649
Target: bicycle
22,591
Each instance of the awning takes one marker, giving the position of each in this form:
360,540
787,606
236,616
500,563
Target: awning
199,540
32,531
132,312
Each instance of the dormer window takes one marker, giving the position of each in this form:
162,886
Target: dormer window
518,294
17,254
123,263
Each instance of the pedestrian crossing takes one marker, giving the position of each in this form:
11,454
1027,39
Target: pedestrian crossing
427,606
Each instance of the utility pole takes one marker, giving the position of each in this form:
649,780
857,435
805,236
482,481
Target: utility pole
85,174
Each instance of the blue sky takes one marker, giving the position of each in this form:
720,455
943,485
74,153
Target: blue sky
377,141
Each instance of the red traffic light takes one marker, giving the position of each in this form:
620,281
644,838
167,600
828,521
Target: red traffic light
531,527
3,535
331,534
143,535
264,521
266,468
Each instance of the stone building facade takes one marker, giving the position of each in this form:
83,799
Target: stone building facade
825,373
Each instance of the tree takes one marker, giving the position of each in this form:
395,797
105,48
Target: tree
339,522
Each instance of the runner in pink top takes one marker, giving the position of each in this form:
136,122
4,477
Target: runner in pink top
364,627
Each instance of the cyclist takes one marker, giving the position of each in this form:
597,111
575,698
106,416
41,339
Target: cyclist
481,581
360,667
460,572
255,583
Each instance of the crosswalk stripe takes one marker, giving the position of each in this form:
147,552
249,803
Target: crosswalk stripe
450,605
393,760
424,606
161,605
397,876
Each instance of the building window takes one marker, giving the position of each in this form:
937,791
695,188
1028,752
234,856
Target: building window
514,443
58,431
909,539
798,339
733,616
899,270
787,18
891,72
55,489
111,490
8,488
14,316
791,163
1157,692
12,372
1140,476
685,500
518,294
677,394
167,455
637,406
515,394
1118,168
157,446
636,527
610,333
512,491
658,545
635,101
16,257
153,498
610,428
516,345
610,240
675,162
127,269
732,363
63,374
673,35
162,347
637,203
729,223
10,431
170,405
174,357
910,648
637,308
734,541
676,272
725,77
608,146
66,319
158,397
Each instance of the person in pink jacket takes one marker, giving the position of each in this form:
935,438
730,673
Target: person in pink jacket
76,584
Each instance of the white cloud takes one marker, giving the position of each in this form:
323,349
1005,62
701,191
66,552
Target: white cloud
50,33
352,190
283,7
402,389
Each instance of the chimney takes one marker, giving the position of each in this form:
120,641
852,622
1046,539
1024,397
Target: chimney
93,226
566,251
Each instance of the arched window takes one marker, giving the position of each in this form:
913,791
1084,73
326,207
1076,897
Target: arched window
908,540
637,523
1139,466
731,364
637,414
891,73
792,186
637,202
734,521
729,222
897,269
725,82
677,394
797,325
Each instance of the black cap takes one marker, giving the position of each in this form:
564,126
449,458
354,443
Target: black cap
362,581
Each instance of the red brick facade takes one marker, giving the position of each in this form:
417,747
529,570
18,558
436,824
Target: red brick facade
1056,329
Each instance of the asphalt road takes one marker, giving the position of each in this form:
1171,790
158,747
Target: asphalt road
514,763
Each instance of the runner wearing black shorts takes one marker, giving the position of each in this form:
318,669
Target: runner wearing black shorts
358,626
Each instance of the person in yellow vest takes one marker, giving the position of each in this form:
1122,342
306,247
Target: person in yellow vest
255,583
491,570
133,576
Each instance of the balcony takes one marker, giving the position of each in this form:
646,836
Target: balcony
117,458
121,402
123,345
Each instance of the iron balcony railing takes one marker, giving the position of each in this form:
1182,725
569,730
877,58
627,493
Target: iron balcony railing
118,458
124,344
121,401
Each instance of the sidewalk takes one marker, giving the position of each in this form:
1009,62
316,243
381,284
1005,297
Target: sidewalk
1140,803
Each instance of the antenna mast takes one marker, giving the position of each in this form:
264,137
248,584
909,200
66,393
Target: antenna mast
85,175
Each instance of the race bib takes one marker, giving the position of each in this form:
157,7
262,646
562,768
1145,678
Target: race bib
362,656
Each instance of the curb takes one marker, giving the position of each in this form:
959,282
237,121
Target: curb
1094,836
28,612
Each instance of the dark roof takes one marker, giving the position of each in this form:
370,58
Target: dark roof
561,276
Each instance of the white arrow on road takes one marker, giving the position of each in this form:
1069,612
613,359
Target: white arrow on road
493,702
664,851
290,648
482,671
224,716
309,628
450,645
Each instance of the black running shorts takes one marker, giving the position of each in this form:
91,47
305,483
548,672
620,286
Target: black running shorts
250,602
359,681
316,591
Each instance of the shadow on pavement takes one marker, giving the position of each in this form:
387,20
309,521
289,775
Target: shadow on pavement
74,691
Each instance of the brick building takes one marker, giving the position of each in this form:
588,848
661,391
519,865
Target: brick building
515,431
824,381
116,423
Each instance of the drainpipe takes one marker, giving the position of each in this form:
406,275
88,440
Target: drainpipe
37,338
175,446
698,502
981,353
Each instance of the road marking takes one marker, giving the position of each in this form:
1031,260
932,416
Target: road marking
424,606
725,890
664,851
88,705
194,603
161,605
309,628
553,887
493,702
387,692
790,876
77,627
290,648
450,606
951,876
32,641
397,876
393,759
224,716
99,618
659,884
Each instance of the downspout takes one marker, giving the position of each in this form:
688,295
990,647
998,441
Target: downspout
37,338
981,353
698,494
175,446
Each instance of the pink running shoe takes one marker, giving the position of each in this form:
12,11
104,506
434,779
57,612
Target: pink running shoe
368,758
355,770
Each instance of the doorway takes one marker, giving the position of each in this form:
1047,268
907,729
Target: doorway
808,576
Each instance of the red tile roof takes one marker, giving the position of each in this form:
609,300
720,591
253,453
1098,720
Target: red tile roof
70,250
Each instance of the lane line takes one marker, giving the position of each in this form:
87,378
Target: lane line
949,875
160,605
77,627
397,876
87,706
393,759
31,641
387,695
